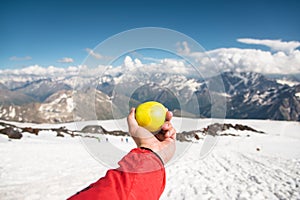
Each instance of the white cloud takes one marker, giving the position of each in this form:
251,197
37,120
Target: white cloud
275,45
128,62
183,48
166,65
94,54
15,58
39,70
207,63
253,60
131,64
52,71
168,62
174,66
66,60
138,63
235,59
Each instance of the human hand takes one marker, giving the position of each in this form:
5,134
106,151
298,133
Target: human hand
162,143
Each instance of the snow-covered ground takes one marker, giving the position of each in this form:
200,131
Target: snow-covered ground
250,166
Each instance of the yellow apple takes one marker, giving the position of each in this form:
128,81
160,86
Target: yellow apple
151,115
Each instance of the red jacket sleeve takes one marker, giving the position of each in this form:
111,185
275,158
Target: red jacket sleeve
141,175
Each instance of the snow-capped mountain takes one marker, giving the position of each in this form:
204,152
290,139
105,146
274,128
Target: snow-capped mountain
74,97
252,95
61,107
247,95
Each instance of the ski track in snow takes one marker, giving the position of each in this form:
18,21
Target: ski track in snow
256,167
233,175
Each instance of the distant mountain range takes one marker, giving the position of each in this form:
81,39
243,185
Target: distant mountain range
245,95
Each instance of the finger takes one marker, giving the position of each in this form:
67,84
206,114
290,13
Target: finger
132,123
166,126
168,130
169,116
172,134
131,116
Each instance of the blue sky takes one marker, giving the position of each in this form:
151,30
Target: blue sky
37,32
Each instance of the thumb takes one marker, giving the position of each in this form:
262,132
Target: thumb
131,121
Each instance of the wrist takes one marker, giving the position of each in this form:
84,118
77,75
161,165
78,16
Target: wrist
155,153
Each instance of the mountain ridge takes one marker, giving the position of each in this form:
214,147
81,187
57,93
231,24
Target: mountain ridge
247,95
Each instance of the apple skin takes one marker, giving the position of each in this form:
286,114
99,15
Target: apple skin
151,115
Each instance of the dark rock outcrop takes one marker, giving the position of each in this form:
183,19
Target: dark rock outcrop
11,133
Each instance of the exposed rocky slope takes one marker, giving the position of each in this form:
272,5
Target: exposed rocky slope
244,95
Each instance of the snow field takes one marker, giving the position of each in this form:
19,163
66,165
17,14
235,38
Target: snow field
249,166
234,170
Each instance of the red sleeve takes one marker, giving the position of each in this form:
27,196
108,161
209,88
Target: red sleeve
141,175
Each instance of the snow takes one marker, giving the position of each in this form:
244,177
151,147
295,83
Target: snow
297,94
260,98
287,82
70,105
12,112
224,94
4,112
261,166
